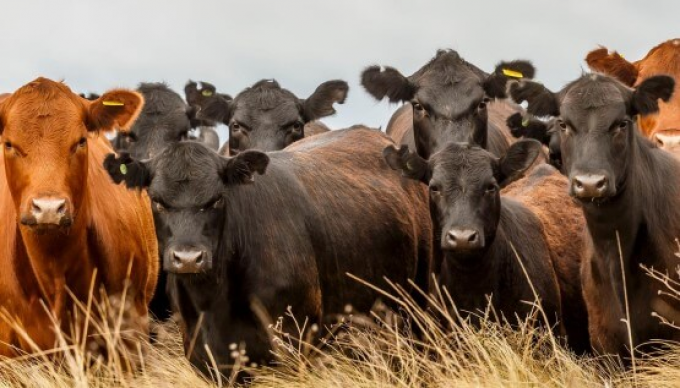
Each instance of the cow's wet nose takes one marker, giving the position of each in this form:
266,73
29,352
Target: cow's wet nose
590,186
49,211
188,260
463,239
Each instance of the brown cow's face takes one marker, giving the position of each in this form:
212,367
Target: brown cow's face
45,147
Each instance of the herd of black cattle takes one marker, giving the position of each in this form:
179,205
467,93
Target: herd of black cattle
280,215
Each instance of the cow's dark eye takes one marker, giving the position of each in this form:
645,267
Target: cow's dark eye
418,106
159,207
297,126
491,188
435,189
212,204
8,146
482,104
235,126
82,142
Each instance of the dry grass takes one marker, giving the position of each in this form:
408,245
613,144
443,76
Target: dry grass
371,351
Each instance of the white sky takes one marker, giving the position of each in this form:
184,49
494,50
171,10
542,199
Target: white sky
95,45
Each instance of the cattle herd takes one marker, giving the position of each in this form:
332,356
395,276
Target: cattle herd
488,184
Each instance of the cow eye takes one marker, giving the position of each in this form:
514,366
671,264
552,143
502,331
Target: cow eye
482,104
159,207
8,146
418,106
82,142
435,189
212,205
562,125
491,188
297,126
235,126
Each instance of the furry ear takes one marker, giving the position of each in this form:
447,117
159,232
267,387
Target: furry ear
529,128
495,83
241,168
320,103
388,82
646,96
410,164
198,100
542,102
613,64
135,174
519,157
116,109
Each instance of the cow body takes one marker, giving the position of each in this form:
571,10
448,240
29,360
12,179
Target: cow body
327,205
48,252
627,188
662,127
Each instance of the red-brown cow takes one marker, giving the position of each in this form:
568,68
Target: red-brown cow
662,127
62,219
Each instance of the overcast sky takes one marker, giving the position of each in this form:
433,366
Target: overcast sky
95,45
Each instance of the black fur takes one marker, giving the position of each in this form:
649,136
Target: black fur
320,103
137,176
647,94
387,82
542,102
495,84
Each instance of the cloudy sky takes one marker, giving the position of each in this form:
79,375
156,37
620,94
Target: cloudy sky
95,45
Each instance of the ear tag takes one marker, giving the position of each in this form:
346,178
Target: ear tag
207,93
112,103
512,73
123,169
525,122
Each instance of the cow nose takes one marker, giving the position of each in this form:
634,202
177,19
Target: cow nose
463,239
50,211
590,186
188,261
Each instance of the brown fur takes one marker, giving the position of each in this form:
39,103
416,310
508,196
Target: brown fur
112,227
545,193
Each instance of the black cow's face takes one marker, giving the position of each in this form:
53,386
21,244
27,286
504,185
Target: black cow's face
449,97
187,183
595,119
464,183
269,118
164,120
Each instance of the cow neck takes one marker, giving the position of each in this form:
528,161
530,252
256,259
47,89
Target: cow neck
60,259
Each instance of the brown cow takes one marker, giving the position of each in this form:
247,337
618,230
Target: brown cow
62,217
662,127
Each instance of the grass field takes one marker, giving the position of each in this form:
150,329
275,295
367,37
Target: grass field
371,351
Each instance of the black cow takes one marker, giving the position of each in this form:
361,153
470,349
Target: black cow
449,99
265,116
628,190
544,131
477,228
328,205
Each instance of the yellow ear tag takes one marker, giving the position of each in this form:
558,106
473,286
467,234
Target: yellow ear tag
123,169
207,93
525,122
512,73
112,103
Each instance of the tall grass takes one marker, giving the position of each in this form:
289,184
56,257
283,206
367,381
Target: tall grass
360,351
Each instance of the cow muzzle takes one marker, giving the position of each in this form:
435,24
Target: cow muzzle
463,239
187,260
45,213
589,187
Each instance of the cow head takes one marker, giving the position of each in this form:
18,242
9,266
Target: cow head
268,117
544,131
165,119
663,126
449,97
187,182
45,133
465,183
595,118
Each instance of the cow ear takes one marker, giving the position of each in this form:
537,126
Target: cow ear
410,164
116,109
542,102
320,103
613,64
387,82
495,84
241,168
646,96
207,106
135,174
519,157
528,127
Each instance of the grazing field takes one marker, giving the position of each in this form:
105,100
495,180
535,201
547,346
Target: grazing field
361,351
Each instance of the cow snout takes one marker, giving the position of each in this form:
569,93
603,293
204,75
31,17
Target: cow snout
463,239
590,186
48,211
187,260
